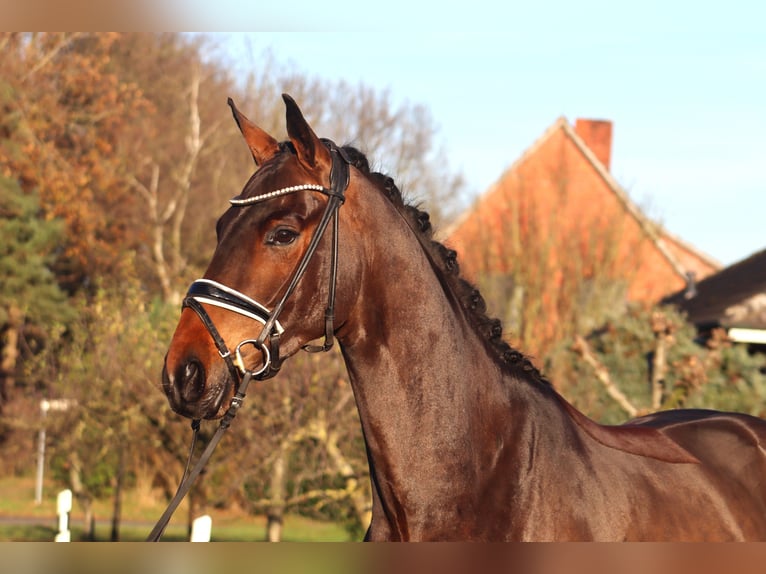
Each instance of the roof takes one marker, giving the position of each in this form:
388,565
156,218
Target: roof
733,297
652,230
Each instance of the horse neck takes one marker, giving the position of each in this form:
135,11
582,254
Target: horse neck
436,407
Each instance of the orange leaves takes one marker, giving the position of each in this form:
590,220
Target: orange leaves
69,108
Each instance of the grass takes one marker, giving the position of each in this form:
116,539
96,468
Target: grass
139,513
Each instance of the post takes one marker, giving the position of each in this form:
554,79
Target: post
44,406
201,529
64,507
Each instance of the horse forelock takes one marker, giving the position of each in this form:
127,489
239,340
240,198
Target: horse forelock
446,265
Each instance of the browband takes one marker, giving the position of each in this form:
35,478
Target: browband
277,193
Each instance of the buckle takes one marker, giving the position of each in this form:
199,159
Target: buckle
239,361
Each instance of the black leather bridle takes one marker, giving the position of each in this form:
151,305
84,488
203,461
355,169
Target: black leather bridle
209,292
216,294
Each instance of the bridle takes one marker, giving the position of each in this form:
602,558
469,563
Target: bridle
218,295
209,292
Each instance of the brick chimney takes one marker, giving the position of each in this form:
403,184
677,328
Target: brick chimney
597,135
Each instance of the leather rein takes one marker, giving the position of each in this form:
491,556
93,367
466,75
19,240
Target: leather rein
209,292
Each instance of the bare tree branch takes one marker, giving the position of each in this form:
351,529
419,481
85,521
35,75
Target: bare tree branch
45,60
602,374
663,338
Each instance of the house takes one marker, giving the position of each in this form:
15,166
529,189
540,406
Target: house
557,221
733,299
562,184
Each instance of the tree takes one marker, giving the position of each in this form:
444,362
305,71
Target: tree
550,268
296,446
181,153
401,140
127,142
186,151
119,425
650,359
62,116
31,302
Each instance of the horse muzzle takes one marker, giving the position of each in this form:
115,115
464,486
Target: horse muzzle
194,392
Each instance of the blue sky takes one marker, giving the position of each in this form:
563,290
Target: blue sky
683,82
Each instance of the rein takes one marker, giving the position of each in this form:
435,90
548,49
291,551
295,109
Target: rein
206,291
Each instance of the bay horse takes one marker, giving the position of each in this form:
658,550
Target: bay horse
466,440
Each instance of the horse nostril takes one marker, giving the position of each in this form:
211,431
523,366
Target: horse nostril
190,380
191,370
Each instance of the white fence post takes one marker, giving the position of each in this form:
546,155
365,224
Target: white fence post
45,406
64,507
201,529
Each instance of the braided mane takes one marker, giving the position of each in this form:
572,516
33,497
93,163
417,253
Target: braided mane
445,262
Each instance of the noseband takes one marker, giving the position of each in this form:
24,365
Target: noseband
209,292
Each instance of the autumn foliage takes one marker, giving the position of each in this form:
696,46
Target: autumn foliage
117,155
64,112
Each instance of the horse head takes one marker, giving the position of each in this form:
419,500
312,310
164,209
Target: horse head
271,285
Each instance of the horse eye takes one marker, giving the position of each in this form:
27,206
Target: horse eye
281,236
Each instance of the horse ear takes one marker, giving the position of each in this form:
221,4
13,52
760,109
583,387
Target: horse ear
311,152
261,144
